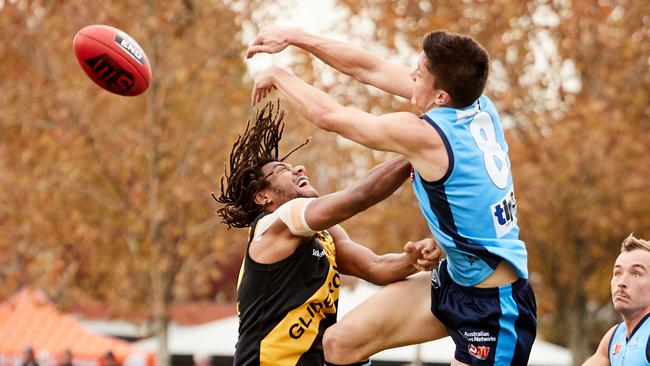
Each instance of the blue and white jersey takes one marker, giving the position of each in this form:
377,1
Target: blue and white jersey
472,210
633,351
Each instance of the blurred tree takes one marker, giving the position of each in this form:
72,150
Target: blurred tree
582,169
110,196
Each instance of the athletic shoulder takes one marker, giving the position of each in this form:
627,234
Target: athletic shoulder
606,342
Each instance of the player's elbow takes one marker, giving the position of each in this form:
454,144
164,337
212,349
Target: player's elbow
359,74
322,118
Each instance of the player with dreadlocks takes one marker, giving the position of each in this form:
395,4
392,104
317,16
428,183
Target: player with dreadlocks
288,285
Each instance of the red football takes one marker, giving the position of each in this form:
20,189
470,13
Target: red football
112,59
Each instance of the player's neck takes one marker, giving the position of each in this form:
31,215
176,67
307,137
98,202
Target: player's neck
632,320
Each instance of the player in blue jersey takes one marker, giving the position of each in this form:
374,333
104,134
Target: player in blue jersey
628,343
480,295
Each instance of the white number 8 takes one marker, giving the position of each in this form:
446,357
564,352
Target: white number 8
483,132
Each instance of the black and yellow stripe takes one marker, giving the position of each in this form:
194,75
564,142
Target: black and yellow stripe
285,307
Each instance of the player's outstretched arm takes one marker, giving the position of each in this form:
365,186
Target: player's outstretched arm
354,61
331,209
278,235
402,132
600,358
356,260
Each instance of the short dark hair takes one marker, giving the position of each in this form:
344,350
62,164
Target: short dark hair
460,65
631,243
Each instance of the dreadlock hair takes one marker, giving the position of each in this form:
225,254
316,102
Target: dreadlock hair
256,147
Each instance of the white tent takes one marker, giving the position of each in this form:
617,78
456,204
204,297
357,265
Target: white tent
213,338
219,338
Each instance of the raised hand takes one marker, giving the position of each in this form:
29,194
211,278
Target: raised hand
424,254
270,39
262,85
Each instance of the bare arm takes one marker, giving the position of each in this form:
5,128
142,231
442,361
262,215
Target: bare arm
600,358
331,209
357,260
276,242
354,61
402,132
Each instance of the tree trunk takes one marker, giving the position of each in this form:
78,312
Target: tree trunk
160,279
578,329
161,317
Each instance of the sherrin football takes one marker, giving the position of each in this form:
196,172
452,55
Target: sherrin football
112,59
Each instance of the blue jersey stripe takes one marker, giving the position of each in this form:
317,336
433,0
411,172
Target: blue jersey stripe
438,198
507,340
444,229
450,151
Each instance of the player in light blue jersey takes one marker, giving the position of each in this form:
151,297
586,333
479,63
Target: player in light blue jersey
479,295
628,343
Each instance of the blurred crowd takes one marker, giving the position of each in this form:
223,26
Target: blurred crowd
65,358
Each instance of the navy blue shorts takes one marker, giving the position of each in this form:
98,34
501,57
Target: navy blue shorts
490,326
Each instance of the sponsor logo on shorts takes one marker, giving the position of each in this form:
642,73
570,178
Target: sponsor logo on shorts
479,336
617,348
480,352
503,214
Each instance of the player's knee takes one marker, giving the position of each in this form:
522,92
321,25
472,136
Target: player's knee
337,349
331,346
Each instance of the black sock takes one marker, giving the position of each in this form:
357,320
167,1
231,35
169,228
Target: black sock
362,363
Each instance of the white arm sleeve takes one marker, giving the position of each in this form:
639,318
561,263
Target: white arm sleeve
292,214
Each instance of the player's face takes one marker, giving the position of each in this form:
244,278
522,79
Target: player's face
424,95
631,282
287,182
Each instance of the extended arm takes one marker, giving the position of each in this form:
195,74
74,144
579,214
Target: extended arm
357,260
274,240
379,183
600,358
402,132
356,62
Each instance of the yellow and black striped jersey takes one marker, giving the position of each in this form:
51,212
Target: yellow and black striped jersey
285,307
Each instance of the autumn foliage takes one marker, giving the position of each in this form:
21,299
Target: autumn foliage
108,197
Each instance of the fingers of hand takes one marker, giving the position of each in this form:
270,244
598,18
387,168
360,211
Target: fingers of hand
255,49
258,94
426,265
409,247
432,254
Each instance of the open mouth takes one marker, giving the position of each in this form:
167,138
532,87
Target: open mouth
302,182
